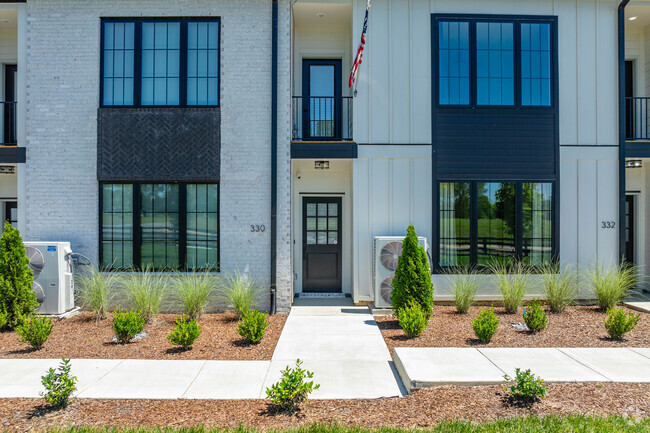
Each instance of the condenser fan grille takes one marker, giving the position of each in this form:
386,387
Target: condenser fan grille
386,289
40,293
36,260
389,255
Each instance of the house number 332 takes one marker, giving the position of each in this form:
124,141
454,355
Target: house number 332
608,224
257,228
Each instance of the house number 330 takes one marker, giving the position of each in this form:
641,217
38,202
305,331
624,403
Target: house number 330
257,228
608,224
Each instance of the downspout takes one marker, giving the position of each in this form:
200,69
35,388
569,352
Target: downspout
274,152
621,129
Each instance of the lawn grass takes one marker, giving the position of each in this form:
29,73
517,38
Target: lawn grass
554,424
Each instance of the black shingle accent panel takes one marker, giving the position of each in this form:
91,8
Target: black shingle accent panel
158,144
495,144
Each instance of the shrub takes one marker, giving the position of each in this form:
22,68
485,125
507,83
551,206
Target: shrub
619,322
97,291
485,324
252,326
193,291
560,286
464,283
412,319
240,292
611,284
145,291
535,316
17,296
526,387
292,389
513,282
185,332
412,282
35,331
59,385
127,324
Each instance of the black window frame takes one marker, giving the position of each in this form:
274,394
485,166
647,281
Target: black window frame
517,20
182,224
473,223
137,61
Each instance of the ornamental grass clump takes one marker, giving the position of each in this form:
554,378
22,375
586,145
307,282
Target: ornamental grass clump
485,324
525,387
513,282
293,389
611,284
35,331
240,292
464,283
560,286
412,319
619,322
127,324
192,292
145,291
96,291
535,317
252,326
186,331
412,282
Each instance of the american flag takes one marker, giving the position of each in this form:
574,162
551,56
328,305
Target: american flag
357,59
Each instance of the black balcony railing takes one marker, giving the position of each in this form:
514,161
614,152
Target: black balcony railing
8,117
322,118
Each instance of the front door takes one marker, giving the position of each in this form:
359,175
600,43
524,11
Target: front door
629,228
11,213
321,100
9,117
321,244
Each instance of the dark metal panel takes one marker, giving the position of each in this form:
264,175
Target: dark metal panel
12,155
639,149
158,144
334,150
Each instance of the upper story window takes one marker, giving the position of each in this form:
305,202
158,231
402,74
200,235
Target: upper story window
486,61
160,62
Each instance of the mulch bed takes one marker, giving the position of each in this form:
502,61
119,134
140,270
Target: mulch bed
577,326
81,337
421,409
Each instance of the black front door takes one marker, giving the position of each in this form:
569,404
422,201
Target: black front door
321,244
9,106
321,99
629,228
11,213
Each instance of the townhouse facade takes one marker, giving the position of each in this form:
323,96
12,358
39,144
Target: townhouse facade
223,135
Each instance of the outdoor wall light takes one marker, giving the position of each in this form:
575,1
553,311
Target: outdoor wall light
632,18
633,163
322,165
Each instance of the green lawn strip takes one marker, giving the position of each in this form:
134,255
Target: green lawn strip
572,423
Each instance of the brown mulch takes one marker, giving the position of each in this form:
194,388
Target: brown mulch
577,326
420,409
81,337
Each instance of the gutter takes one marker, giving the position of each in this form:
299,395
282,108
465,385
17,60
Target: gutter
274,153
621,129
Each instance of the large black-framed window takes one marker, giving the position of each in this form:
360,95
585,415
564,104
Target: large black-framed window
164,226
169,62
480,223
489,60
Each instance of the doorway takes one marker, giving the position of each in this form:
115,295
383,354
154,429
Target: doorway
11,213
9,105
321,245
321,100
630,233
630,106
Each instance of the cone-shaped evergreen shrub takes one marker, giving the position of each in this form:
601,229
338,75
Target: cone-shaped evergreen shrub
412,282
17,297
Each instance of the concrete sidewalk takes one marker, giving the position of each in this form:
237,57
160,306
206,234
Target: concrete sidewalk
427,367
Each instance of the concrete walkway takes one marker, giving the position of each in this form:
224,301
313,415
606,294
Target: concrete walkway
427,367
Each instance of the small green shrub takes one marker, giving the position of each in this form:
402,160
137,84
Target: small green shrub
513,282
252,326
145,291
464,283
535,317
619,322
525,387
127,324
412,319
485,324
59,385
611,284
35,331
185,332
412,282
292,389
240,292
560,286
3,320
97,291
193,291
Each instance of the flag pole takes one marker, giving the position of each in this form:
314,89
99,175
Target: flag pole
356,80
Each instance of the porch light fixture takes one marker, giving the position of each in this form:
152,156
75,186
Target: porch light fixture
632,18
322,165
633,163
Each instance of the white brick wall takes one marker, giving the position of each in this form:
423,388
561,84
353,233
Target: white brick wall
63,40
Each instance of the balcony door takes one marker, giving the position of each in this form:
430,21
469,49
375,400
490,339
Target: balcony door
9,105
322,103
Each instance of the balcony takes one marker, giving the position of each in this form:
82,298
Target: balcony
321,118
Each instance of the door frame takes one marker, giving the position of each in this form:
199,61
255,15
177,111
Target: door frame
10,78
631,227
338,100
329,198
